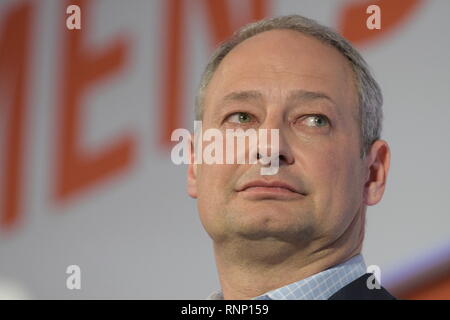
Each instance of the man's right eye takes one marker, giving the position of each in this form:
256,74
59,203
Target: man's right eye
239,117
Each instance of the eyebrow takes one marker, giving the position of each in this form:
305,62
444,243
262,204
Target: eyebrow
307,96
243,96
294,96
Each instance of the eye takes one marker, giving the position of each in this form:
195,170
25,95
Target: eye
239,117
316,120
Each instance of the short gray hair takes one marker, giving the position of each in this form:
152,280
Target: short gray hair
369,92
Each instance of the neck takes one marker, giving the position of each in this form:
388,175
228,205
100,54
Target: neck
249,268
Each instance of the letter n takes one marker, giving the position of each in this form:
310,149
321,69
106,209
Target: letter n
220,23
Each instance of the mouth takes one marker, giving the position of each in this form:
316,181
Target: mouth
270,190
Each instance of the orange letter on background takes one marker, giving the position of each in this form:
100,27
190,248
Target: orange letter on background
352,19
219,19
14,49
82,69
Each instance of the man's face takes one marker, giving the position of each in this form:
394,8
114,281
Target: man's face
284,80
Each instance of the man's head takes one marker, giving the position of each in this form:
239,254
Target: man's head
292,74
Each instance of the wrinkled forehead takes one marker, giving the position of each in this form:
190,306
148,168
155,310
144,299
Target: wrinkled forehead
278,62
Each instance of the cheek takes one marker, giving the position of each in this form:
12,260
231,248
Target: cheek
336,181
324,173
215,185
215,182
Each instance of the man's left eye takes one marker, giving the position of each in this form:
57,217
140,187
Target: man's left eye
316,120
240,117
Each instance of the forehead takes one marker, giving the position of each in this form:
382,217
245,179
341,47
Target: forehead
277,62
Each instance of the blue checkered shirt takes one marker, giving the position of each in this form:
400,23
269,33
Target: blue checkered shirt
319,286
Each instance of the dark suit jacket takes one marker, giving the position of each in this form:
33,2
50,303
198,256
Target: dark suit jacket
358,290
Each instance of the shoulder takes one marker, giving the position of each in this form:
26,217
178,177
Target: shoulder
358,290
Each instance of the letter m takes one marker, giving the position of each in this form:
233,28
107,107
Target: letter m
15,39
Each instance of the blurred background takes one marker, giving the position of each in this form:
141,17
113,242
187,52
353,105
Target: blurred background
86,116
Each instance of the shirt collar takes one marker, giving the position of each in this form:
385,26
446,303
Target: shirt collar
319,286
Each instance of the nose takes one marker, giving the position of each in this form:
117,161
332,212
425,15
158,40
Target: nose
268,146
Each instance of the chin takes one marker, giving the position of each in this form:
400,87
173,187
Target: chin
272,225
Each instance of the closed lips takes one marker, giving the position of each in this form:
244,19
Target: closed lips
272,184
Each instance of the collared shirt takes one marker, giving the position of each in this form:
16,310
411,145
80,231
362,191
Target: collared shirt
319,286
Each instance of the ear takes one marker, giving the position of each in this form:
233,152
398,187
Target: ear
377,164
192,173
